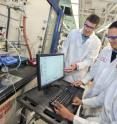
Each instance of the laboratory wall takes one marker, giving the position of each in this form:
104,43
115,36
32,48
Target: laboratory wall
35,16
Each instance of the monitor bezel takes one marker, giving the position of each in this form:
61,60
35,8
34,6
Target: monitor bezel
40,87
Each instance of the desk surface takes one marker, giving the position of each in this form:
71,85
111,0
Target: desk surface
27,73
38,100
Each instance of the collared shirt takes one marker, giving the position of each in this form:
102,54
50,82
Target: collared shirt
113,55
84,38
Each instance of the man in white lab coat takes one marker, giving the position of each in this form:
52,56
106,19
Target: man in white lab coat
107,116
81,48
105,64
105,79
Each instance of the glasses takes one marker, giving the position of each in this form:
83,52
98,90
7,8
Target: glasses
112,38
92,28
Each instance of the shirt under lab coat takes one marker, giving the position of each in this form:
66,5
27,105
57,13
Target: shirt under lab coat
109,113
84,54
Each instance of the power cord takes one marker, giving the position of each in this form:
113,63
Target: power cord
17,54
24,119
31,119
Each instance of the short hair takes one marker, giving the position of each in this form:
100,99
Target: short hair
113,25
93,19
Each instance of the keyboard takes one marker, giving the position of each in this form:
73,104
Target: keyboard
65,96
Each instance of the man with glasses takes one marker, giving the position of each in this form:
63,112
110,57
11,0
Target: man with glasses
81,48
104,64
104,92
107,58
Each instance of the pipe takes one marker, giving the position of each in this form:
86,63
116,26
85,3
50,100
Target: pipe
25,37
7,29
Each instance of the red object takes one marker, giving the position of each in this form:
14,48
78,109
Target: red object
31,60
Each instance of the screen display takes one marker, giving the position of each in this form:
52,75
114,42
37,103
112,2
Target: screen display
50,68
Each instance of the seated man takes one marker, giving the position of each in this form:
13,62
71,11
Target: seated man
107,116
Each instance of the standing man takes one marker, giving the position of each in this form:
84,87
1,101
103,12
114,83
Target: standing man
106,59
81,49
104,67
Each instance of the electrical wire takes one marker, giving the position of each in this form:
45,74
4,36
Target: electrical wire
7,30
31,120
17,54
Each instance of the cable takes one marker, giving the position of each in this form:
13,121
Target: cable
23,117
17,54
31,119
8,23
10,79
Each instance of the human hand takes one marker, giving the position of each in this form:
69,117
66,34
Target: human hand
71,68
77,83
77,101
63,111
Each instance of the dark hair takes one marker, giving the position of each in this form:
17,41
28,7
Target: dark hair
113,25
93,19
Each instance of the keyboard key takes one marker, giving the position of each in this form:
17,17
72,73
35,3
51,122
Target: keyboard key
65,96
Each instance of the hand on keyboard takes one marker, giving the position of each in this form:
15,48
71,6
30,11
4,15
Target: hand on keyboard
65,96
76,101
77,83
63,111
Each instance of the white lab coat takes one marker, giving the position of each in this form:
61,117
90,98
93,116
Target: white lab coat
105,79
83,54
109,113
103,72
90,106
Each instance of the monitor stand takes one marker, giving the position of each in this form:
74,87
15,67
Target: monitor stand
9,79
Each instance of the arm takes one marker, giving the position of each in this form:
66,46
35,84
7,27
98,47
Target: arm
79,120
94,102
87,78
114,122
90,75
66,114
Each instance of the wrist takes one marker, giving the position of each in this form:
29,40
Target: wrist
70,117
75,66
81,103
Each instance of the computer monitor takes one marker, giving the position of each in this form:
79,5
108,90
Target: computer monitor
50,67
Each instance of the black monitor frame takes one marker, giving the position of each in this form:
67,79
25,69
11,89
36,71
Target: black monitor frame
38,69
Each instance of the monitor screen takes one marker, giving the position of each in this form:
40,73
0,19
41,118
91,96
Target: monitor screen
50,67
